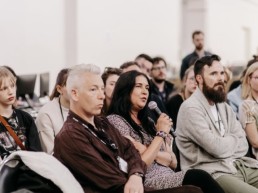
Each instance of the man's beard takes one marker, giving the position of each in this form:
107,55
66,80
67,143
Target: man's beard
217,96
159,80
199,47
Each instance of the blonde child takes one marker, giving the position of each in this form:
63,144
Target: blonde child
20,122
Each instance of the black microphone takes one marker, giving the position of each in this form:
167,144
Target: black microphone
153,106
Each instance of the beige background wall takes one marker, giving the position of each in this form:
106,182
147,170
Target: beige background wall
47,35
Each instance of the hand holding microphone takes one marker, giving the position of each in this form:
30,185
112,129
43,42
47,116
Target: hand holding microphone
164,122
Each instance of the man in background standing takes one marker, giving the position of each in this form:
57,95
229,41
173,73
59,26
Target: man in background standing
198,41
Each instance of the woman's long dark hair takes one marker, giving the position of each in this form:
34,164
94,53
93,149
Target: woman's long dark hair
121,103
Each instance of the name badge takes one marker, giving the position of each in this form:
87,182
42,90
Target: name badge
122,164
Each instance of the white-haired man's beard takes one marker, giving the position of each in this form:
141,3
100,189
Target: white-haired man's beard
215,95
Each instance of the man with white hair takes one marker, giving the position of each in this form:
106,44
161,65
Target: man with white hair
94,151
99,158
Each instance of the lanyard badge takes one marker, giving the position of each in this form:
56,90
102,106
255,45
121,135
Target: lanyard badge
123,166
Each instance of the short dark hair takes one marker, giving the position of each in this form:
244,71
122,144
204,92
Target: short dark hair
146,57
197,32
128,64
206,60
156,60
110,71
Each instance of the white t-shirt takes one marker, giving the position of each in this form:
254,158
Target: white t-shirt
218,121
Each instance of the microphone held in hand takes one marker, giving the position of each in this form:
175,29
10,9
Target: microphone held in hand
154,107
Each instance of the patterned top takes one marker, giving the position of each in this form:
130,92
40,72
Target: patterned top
24,126
7,143
157,176
248,113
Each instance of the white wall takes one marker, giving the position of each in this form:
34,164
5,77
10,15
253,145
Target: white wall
193,18
113,32
232,30
46,35
32,36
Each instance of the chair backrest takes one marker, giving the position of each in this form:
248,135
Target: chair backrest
15,175
8,175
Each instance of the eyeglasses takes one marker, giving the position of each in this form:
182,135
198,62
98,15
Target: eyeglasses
159,68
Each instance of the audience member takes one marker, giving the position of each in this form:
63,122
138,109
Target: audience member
145,62
210,137
17,128
52,115
248,112
198,41
129,114
97,155
129,66
11,70
228,75
234,97
160,86
237,82
109,77
16,103
174,103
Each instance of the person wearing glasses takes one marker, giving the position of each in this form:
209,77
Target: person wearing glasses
52,115
94,151
160,86
248,111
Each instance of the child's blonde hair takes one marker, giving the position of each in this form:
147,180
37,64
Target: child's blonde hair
4,74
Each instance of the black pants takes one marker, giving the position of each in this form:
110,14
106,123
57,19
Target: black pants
203,180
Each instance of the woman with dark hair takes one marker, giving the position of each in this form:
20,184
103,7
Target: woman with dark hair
128,112
53,114
109,77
